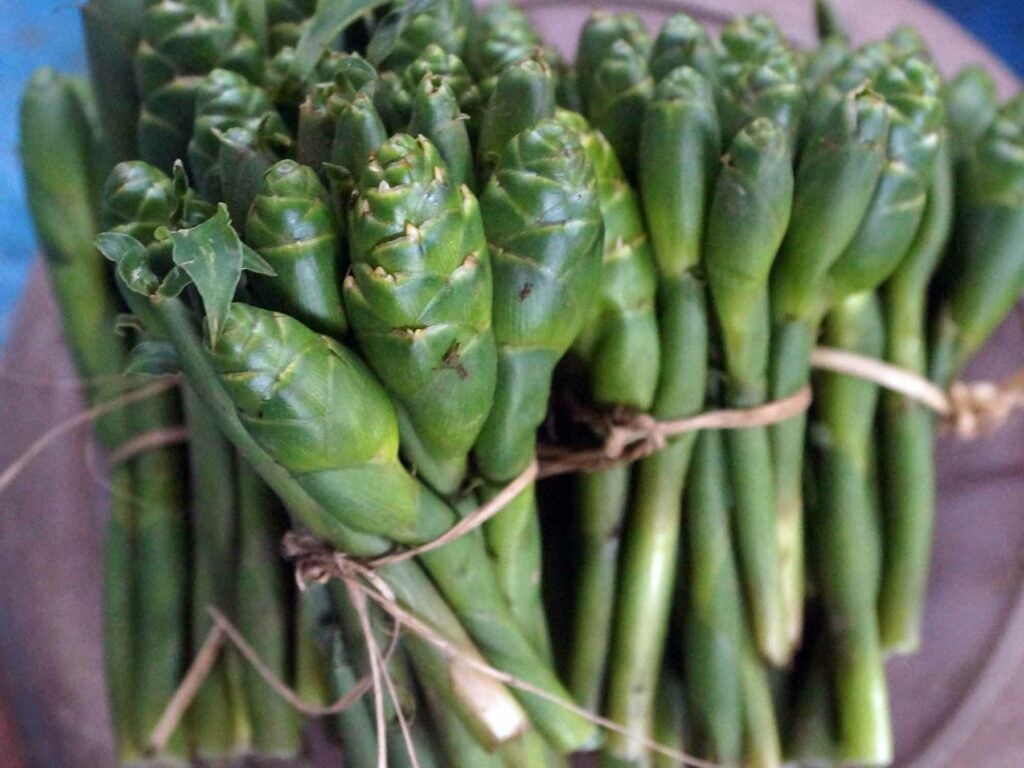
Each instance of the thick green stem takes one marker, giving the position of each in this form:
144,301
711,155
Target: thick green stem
741,249
603,497
844,530
111,30
355,724
514,537
160,573
514,540
669,718
309,659
463,735
907,429
214,714
646,580
421,740
792,343
402,703
759,536
119,611
761,739
474,706
651,548
811,732
713,623
262,611
525,752
460,748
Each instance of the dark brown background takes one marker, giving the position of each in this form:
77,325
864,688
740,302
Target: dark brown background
960,701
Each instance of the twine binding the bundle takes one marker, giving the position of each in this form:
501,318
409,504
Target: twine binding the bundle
968,409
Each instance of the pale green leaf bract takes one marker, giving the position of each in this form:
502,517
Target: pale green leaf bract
132,260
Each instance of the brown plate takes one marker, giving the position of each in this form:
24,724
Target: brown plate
959,701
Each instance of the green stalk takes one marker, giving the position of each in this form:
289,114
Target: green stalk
543,224
847,528
680,133
308,657
669,718
748,217
620,346
119,611
400,672
160,573
215,714
262,611
811,738
111,29
462,741
713,620
355,725
603,500
835,184
648,566
490,728
979,282
844,528
55,150
761,746
457,744
514,540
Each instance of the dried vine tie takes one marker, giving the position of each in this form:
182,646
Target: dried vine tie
969,409
639,435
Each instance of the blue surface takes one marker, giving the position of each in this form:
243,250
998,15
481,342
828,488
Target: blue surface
47,33
33,33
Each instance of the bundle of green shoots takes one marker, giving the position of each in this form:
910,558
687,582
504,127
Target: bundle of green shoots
382,244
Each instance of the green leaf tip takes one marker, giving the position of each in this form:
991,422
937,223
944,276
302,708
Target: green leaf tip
213,257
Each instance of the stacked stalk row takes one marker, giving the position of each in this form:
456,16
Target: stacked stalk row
390,251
